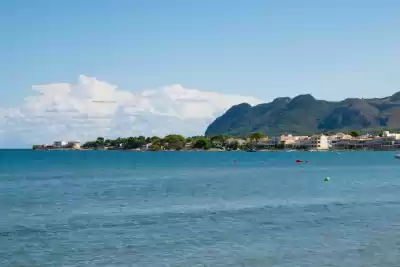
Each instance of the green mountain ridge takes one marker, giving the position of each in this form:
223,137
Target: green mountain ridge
304,114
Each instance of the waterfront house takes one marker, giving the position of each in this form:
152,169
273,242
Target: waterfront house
232,140
146,146
74,144
388,134
304,142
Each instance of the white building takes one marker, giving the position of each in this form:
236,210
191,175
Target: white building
59,143
319,142
74,144
239,141
147,146
390,135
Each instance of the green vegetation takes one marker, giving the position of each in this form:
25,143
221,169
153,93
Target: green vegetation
175,142
354,133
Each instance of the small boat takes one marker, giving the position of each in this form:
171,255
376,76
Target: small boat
397,156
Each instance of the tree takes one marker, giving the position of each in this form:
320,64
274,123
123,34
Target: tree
90,144
256,136
100,140
193,138
155,147
115,142
233,145
175,141
202,143
354,133
217,138
135,142
155,140
281,145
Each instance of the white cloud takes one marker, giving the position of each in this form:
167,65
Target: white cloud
92,108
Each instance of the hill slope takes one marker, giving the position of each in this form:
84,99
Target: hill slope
304,114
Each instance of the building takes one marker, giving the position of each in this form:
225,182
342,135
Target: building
74,144
282,140
390,135
303,142
232,140
147,146
60,143
319,142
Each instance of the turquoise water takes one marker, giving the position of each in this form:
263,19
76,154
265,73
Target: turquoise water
103,208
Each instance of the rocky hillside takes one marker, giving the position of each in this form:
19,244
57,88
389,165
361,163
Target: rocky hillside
304,114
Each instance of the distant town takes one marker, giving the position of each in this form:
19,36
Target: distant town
255,142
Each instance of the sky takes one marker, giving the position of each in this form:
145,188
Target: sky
173,59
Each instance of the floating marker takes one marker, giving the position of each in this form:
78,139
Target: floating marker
326,179
299,160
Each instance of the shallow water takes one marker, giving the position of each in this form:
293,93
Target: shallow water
104,208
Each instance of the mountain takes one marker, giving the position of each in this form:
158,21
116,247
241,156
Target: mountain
304,114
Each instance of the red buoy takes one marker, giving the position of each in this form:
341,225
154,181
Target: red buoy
299,160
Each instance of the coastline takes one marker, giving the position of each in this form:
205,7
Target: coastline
256,142
214,150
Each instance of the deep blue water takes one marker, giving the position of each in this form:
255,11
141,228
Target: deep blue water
103,208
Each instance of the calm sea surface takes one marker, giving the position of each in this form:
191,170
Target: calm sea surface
103,208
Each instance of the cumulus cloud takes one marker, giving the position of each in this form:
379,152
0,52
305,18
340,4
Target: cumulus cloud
92,108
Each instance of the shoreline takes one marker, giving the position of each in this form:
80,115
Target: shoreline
214,150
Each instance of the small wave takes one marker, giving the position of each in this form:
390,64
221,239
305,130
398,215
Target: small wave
237,206
20,230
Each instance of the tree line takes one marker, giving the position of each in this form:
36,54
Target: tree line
179,142
175,142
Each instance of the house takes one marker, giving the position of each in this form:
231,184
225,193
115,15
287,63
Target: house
287,140
232,140
74,144
390,135
188,145
340,140
382,143
146,146
282,139
303,142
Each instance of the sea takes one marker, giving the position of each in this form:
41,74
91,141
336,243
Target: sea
170,209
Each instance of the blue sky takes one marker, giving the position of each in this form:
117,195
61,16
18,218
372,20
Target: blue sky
332,49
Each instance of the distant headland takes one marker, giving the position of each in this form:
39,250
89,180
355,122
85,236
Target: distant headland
305,115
